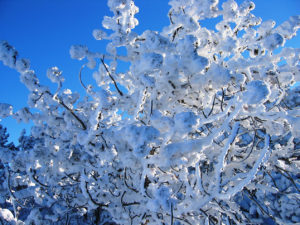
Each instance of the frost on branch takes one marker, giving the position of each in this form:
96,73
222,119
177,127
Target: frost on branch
203,127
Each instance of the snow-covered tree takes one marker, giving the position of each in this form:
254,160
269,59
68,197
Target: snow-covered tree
203,127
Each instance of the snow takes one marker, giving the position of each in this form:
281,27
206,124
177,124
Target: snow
203,123
273,41
78,52
148,63
7,216
99,34
5,110
256,92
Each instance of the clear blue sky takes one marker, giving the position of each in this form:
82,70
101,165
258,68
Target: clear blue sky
44,30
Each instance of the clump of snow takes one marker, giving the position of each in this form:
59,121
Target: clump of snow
55,75
138,137
289,28
7,216
196,63
99,34
185,121
256,92
273,41
148,62
22,65
78,52
218,76
5,110
162,123
154,42
8,54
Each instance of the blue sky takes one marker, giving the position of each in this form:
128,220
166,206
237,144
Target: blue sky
44,30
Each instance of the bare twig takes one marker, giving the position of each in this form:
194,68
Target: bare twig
72,112
170,17
184,220
273,180
204,114
258,204
91,198
72,178
208,216
101,135
127,203
252,147
36,179
111,77
67,219
151,109
110,191
79,75
176,32
125,182
212,108
288,176
172,215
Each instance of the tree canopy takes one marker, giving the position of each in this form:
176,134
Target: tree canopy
203,127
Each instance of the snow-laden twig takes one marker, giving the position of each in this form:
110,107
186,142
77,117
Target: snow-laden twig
220,165
250,175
